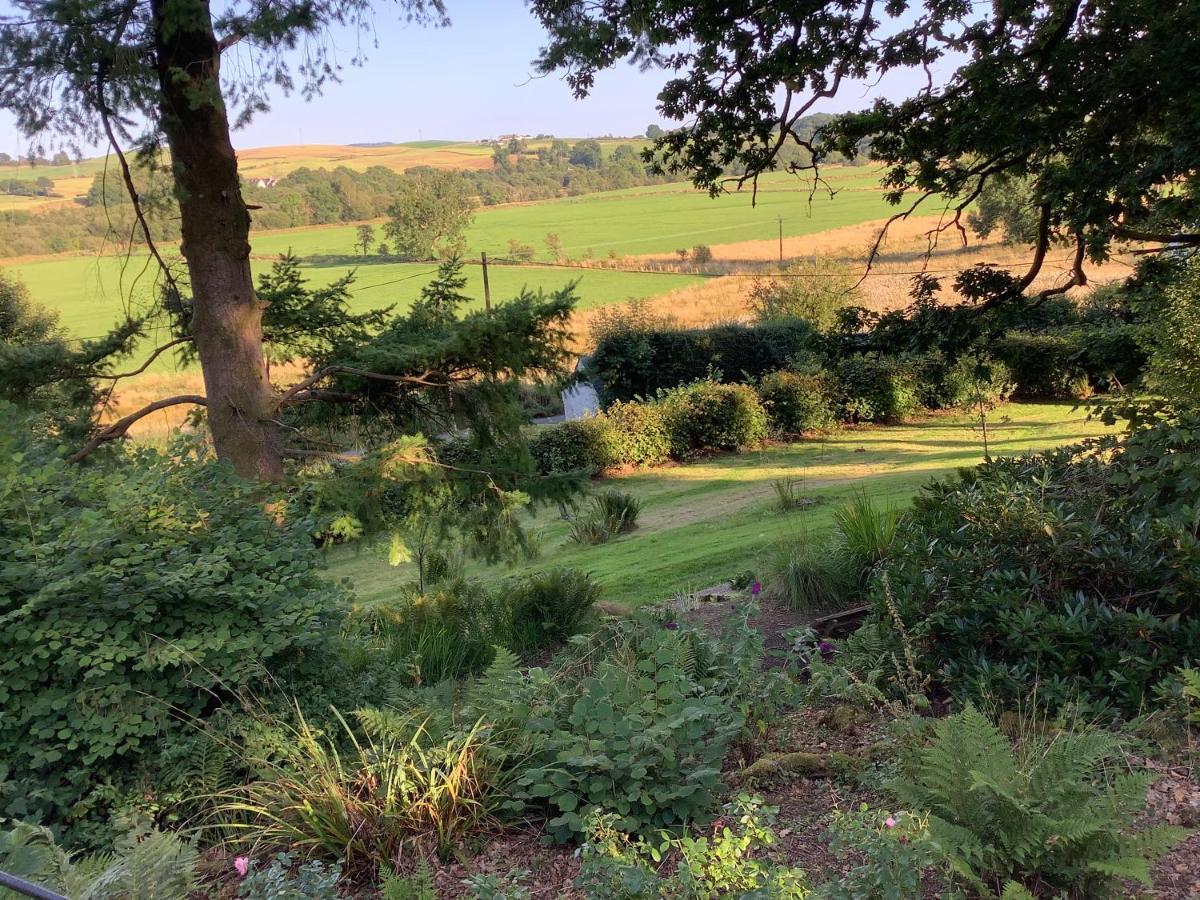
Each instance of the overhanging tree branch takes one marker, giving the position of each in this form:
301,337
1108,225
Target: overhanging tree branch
119,428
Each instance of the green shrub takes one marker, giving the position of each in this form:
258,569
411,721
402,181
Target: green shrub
640,360
639,433
547,608
702,253
863,536
1052,814
639,741
891,855
962,383
1077,571
729,864
797,402
587,444
1175,364
705,417
876,390
1044,366
1114,354
132,598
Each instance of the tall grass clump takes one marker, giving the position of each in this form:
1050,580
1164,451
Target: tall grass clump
612,513
806,574
863,535
547,608
375,794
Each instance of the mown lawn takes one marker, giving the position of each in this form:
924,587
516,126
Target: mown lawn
704,522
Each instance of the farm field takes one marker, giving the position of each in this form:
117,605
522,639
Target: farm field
90,292
704,522
73,181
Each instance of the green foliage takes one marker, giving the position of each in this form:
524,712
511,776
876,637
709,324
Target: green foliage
44,372
284,879
547,608
797,402
417,886
1176,359
728,863
1051,812
311,324
876,389
131,598
590,444
639,433
891,853
1044,366
612,513
431,212
702,254
707,416
1006,203
498,887
814,293
150,864
805,574
370,796
863,535
968,381
642,733
636,356
1075,569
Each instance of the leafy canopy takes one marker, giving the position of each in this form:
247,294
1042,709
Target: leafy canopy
1094,103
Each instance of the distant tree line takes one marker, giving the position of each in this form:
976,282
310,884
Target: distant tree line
308,196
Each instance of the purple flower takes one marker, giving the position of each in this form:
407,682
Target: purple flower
756,588
671,626
827,649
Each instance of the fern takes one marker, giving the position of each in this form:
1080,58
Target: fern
1045,811
417,886
154,865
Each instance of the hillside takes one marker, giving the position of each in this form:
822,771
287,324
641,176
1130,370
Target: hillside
71,182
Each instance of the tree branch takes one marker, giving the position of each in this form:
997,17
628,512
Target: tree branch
292,394
158,351
118,428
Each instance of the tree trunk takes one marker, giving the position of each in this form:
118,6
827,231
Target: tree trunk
227,317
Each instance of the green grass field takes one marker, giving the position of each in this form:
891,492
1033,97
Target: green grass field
704,522
91,292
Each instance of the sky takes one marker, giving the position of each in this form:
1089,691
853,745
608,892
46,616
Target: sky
471,80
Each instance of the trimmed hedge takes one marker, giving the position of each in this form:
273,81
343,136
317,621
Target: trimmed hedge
797,402
639,433
581,444
874,389
1044,366
708,416
946,385
636,363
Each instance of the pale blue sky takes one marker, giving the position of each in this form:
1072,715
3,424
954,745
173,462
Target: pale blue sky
468,81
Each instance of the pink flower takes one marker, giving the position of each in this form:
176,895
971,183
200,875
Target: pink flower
756,588
889,822
242,865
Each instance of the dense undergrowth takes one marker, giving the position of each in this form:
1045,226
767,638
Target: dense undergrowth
190,702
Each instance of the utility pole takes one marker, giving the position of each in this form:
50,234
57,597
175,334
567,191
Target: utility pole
781,240
487,290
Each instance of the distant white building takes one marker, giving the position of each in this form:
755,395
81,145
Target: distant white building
265,182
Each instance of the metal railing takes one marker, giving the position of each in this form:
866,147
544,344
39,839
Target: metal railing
28,888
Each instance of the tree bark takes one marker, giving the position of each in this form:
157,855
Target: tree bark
227,316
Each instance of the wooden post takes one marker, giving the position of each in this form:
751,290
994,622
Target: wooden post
781,240
487,290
